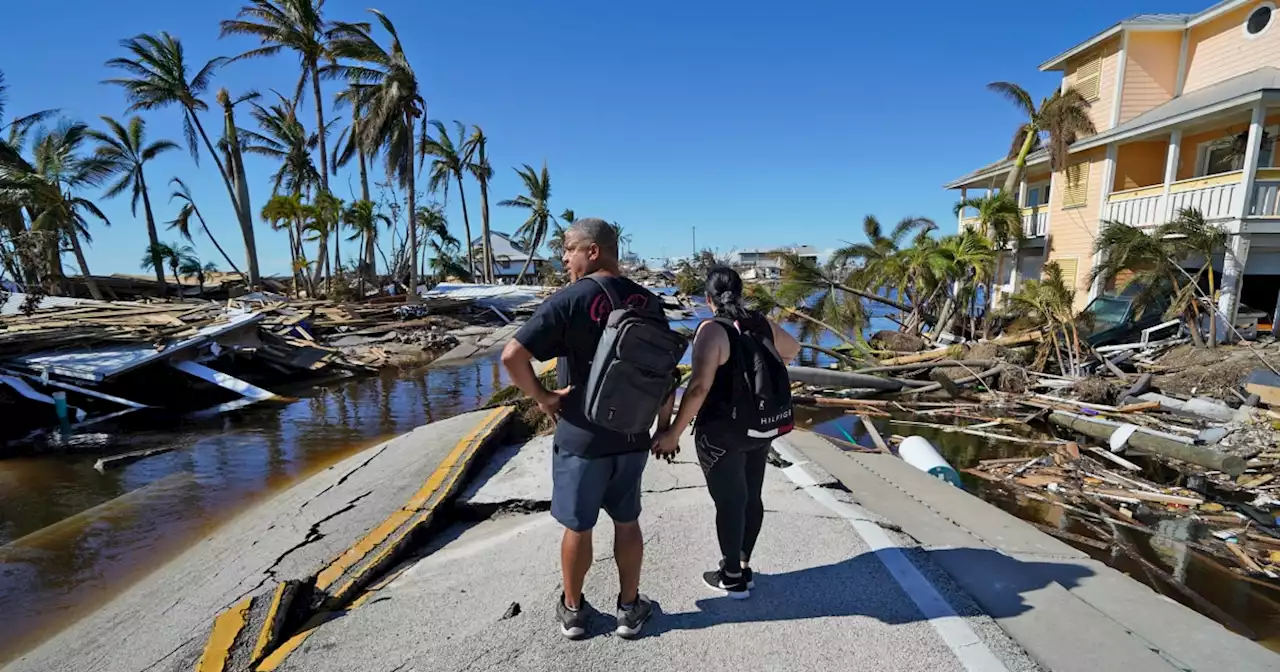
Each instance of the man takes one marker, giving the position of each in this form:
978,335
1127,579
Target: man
592,468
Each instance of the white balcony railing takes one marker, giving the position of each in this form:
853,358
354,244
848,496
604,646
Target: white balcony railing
1266,194
1215,196
1035,221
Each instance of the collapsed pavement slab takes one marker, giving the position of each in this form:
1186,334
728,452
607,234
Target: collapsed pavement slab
516,477
165,621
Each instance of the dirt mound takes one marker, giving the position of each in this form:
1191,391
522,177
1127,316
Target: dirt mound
1210,372
1189,355
1096,390
984,351
896,341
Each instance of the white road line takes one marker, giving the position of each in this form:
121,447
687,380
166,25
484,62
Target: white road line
954,631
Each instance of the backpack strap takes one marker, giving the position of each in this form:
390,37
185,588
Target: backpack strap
614,301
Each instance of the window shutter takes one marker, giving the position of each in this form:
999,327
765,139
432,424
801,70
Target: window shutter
1069,267
1088,78
1076,192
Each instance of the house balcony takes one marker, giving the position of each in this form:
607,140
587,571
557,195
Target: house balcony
1266,194
1217,197
1035,221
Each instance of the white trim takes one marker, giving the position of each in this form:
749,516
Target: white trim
1214,12
1108,179
1122,63
972,652
1182,64
1172,158
1097,141
1244,27
1258,117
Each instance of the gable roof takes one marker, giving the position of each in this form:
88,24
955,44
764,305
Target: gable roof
1144,22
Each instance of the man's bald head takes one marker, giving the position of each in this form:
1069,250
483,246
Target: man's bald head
593,230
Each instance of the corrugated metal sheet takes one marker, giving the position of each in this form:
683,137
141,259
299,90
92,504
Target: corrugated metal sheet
103,362
502,297
12,305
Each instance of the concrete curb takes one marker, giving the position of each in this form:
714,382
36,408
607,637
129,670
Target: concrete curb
246,633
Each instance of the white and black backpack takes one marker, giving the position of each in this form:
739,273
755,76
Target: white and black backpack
761,386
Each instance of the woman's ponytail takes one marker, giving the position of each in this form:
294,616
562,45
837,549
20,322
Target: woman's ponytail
724,286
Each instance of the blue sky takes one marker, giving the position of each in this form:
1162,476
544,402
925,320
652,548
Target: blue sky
759,123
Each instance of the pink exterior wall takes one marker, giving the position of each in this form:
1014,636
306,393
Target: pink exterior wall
1218,49
1151,71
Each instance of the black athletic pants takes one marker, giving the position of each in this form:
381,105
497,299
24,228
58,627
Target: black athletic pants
735,477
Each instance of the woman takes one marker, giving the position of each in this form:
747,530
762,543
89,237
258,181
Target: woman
734,464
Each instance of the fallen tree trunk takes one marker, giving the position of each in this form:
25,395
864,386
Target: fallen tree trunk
828,378
1158,443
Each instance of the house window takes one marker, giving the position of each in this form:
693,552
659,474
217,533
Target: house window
1037,195
1259,20
1227,154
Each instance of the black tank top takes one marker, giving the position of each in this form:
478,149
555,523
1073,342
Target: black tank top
716,416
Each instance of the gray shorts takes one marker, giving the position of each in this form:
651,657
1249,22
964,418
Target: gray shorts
581,486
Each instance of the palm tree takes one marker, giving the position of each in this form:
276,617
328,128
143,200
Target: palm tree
386,87
624,239
450,163
157,79
534,228
480,169
326,221
45,187
125,152
174,255
446,261
1063,117
284,139
21,265
1000,220
874,264
349,145
1194,237
192,267
297,25
288,212
361,218
1152,259
183,221
1048,303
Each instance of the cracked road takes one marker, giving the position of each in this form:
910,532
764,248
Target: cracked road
159,623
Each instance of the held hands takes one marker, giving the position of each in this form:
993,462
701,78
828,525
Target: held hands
549,402
666,443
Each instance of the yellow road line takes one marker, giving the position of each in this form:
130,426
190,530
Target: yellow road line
465,448
225,630
268,627
337,568
273,661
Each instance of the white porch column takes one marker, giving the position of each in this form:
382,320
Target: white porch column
1170,171
1233,264
964,196
1022,193
1108,179
1251,159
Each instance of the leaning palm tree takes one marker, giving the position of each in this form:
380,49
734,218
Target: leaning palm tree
1062,117
386,87
1047,303
22,265
183,221
363,221
874,264
349,145
1192,236
479,167
125,152
624,238
534,228
450,163
288,213
1151,257
296,25
156,72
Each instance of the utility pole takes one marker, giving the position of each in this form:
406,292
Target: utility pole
695,241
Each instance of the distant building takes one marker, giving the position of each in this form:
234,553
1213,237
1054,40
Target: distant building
509,258
766,263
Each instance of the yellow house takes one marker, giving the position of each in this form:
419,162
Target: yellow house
1186,108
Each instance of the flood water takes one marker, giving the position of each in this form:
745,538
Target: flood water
71,538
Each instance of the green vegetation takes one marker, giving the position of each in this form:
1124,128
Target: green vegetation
49,176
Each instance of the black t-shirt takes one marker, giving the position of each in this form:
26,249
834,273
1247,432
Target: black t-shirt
569,325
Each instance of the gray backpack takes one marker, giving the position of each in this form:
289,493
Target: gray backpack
634,368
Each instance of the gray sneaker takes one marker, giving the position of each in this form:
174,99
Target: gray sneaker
631,621
573,624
